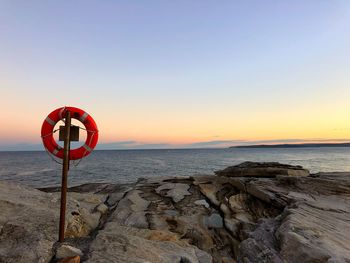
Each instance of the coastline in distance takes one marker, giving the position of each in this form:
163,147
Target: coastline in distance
301,145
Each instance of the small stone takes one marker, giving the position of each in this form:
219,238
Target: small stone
65,251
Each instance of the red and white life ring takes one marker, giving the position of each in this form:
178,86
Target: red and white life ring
57,115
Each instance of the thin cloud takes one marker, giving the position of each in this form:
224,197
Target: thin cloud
124,145
215,143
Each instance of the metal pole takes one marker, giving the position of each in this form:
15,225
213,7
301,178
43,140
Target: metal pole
65,169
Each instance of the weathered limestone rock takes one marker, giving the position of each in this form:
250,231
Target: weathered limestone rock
260,245
82,215
81,223
131,209
316,231
268,169
270,219
278,218
177,191
209,190
102,209
314,225
123,244
29,221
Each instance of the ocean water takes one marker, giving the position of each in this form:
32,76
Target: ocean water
37,168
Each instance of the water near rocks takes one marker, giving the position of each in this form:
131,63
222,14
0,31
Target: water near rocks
38,170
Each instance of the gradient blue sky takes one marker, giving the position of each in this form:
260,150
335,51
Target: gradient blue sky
178,72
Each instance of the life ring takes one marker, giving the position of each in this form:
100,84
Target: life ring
57,115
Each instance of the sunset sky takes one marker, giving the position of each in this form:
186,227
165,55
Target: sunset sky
156,74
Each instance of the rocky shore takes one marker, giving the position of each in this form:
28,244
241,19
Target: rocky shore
253,212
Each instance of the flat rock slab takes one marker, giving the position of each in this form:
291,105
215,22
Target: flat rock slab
120,244
315,231
177,191
267,169
131,210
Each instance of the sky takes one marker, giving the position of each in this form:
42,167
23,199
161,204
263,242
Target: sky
164,74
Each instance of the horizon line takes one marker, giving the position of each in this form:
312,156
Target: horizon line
217,144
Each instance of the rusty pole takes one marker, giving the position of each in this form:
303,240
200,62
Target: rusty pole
65,169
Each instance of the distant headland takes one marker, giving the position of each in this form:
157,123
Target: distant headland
301,145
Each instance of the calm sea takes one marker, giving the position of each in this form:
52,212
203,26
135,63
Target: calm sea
37,169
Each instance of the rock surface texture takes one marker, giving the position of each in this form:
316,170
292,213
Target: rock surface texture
268,214
29,221
268,169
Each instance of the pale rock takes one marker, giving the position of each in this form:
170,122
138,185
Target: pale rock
225,209
316,231
120,244
102,209
202,202
238,202
64,251
209,190
232,224
130,210
177,191
29,221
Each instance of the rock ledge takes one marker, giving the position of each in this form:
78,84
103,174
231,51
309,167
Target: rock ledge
265,169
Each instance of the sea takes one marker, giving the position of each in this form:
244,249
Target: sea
37,169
